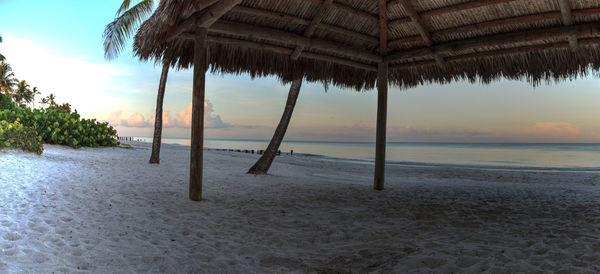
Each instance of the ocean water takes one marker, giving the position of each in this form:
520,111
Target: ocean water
500,155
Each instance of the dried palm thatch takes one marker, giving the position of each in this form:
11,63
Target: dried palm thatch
341,42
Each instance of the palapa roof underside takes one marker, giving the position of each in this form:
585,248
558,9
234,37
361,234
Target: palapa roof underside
341,42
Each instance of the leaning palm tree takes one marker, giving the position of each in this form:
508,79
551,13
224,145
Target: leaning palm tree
7,79
115,36
264,162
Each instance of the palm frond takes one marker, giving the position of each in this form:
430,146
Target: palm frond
7,80
124,7
118,31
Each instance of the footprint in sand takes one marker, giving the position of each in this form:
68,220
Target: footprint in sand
39,258
39,229
66,219
9,252
466,261
49,221
11,236
78,252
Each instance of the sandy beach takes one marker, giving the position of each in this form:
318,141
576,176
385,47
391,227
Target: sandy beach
107,210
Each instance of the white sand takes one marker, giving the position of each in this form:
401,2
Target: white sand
107,210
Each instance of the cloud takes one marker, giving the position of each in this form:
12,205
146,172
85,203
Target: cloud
115,118
554,129
361,125
211,120
362,131
428,134
184,119
135,120
167,120
186,115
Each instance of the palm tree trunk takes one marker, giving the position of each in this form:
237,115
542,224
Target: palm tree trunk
155,157
264,163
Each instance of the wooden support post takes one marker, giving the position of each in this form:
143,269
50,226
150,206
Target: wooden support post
196,156
382,91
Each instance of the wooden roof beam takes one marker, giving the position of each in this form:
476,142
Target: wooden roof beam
421,28
498,22
493,23
310,30
492,53
445,10
417,21
456,7
567,18
199,5
408,39
584,12
579,31
565,10
206,18
463,6
478,26
302,21
283,51
383,29
360,13
347,8
284,37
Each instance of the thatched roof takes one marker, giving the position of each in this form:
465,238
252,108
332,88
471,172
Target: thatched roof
342,41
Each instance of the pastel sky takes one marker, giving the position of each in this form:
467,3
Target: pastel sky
57,46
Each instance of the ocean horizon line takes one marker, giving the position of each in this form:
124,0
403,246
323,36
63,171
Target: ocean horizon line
389,142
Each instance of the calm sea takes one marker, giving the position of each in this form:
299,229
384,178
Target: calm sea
503,155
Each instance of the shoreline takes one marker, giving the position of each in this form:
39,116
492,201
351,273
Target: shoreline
416,164
108,210
394,142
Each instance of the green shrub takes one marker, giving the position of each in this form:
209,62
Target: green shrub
60,126
6,102
15,135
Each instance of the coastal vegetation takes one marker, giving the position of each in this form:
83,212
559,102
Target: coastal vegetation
23,126
55,124
14,135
